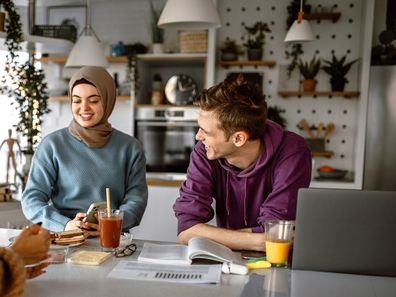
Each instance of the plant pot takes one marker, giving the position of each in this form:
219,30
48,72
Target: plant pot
229,57
255,54
2,20
338,84
158,48
309,85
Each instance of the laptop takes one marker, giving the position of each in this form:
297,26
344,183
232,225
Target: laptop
345,231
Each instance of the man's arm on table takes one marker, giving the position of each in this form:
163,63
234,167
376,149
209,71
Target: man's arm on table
242,239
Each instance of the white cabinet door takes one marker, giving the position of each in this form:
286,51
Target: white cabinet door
159,221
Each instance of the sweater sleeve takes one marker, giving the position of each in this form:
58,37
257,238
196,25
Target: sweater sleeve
12,273
194,204
135,200
37,194
292,172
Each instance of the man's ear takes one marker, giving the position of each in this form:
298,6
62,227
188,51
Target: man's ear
239,138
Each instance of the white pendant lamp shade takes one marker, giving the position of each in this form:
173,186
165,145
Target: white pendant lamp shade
300,31
189,14
87,52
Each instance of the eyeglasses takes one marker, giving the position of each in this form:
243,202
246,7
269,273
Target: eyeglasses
126,251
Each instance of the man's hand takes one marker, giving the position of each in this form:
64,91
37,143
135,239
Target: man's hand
242,239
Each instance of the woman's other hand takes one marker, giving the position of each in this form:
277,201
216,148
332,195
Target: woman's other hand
32,244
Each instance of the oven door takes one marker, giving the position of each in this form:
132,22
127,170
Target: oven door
167,144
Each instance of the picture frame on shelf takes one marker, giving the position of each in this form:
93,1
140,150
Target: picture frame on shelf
68,15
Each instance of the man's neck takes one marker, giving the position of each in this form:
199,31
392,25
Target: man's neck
246,155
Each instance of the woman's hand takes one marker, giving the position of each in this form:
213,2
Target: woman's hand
89,229
32,272
32,244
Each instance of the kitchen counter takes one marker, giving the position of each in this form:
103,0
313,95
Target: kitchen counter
165,179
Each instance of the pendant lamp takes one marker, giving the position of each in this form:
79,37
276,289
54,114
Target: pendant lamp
189,14
87,51
301,29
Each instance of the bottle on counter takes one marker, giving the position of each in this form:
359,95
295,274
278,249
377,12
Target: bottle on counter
116,83
157,94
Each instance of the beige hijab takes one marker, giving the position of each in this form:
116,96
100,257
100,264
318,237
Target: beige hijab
98,135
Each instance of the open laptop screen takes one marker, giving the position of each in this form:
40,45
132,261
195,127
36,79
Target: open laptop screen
346,231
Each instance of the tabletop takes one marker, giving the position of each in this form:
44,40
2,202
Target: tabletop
68,279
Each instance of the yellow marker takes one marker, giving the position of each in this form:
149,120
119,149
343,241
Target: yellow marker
258,265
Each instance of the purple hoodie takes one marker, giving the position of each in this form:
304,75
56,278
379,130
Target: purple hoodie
266,190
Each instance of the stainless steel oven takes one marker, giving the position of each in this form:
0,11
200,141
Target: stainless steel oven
167,135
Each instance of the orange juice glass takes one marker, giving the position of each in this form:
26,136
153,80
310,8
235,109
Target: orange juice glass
279,236
110,227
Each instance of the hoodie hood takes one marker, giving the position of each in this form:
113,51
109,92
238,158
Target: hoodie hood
271,139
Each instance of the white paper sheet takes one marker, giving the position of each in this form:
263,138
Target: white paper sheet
193,274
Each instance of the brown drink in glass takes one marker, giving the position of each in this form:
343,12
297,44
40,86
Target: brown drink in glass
110,229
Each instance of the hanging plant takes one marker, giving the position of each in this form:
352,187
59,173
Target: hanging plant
132,71
23,82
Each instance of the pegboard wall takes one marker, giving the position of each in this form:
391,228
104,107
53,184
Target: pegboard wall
342,37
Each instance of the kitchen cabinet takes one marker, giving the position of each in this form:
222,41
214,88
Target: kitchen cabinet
166,65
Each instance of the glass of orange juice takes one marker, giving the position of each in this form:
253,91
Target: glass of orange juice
278,239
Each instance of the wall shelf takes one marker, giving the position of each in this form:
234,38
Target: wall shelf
43,44
346,94
267,63
142,57
333,16
66,98
325,154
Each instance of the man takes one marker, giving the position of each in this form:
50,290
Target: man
248,164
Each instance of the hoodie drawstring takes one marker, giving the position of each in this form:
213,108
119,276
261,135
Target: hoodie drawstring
245,202
228,193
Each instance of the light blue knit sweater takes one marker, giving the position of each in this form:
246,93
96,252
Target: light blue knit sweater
67,176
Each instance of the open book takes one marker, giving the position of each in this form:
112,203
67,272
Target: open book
198,248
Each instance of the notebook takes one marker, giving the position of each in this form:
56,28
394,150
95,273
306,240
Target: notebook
346,231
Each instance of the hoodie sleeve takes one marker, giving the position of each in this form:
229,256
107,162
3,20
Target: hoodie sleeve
291,172
194,205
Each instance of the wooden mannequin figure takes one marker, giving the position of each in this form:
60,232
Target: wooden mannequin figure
11,156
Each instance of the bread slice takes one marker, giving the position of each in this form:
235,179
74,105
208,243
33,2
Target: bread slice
68,234
68,237
69,240
89,257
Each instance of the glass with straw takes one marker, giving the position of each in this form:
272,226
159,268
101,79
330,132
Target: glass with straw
110,226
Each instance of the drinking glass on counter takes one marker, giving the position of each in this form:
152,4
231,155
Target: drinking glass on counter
110,226
279,236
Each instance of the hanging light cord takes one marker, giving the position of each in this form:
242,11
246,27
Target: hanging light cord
88,30
300,13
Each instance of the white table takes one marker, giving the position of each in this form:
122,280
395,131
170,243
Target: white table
76,280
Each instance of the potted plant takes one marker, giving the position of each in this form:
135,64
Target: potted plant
157,34
337,69
309,70
230,50
24,82
256,40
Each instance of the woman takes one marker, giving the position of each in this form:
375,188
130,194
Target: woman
73,166
30,246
